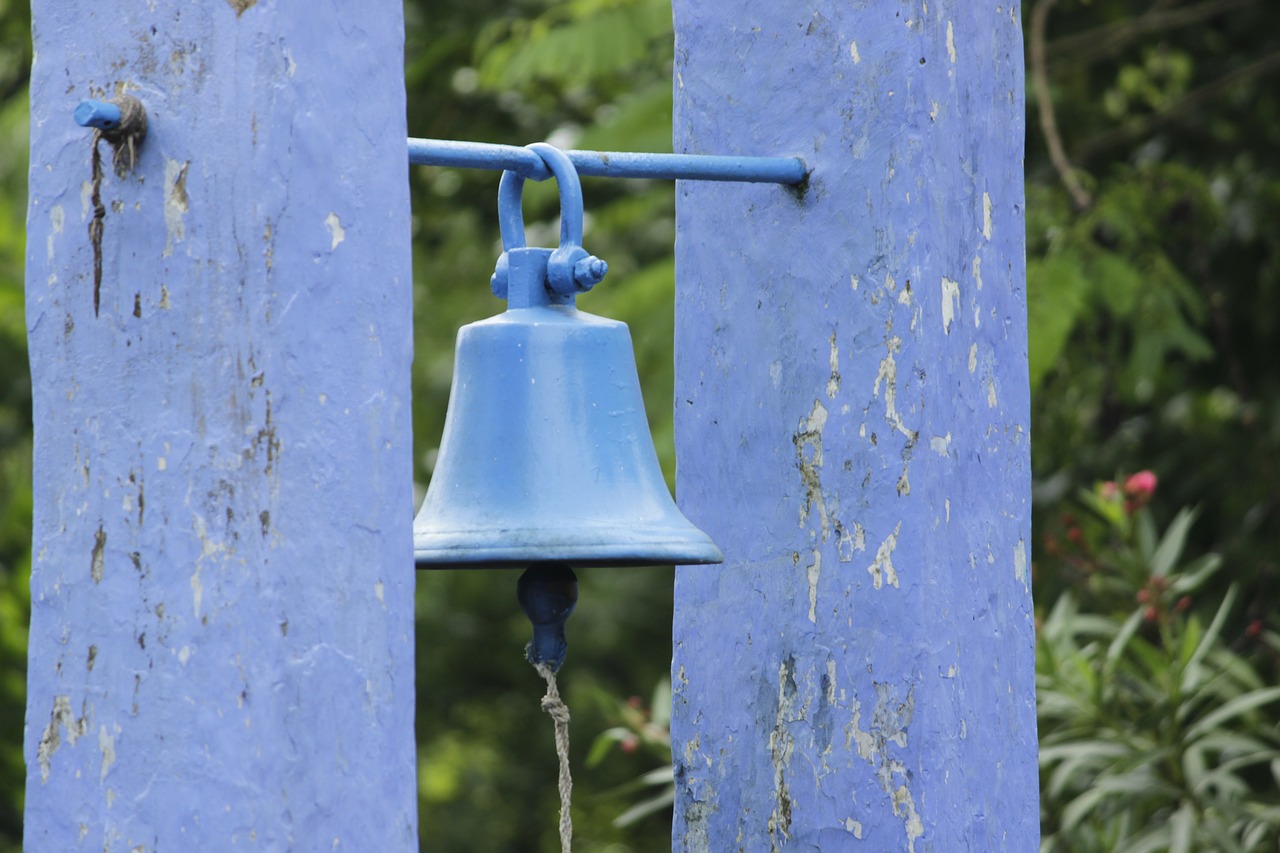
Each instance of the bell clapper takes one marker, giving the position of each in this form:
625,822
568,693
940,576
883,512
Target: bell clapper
547,593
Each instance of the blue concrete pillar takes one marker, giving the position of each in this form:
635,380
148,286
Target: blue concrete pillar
852,429
221,638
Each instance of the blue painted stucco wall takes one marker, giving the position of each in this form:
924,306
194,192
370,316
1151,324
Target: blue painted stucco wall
221,637
852,426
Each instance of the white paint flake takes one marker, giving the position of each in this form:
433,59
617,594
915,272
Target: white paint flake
991,392
208,548
853,51
904,806
850,541
941,444
336,231
833,383
814,572
57,219
107,744
951,42
854,734
888,728
950,302
60,718
176,203
1020,562
973,357
808,443
882,569
781,748
888,373
986,215
977,271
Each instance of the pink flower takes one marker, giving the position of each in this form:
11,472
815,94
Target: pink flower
1141,485
1138,489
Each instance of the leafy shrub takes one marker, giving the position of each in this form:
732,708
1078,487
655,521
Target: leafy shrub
1157,731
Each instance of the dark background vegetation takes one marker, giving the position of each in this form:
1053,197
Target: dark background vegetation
1153,197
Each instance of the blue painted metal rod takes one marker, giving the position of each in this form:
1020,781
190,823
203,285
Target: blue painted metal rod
607,164
100,114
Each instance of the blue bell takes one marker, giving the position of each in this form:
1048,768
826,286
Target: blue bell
546,455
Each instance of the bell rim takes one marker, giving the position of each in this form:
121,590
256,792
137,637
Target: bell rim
580,555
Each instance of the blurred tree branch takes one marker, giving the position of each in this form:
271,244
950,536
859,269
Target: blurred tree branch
1104,41
1044,105
1187,103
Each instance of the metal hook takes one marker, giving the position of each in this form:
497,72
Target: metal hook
570,269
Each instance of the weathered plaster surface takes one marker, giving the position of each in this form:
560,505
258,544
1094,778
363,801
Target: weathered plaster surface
221,638
851,369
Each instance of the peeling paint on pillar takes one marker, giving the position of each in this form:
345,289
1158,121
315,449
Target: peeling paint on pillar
851,372
222,587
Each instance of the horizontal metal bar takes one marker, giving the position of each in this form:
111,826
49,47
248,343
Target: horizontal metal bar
690,167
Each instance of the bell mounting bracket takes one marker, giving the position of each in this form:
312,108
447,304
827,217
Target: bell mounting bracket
570,269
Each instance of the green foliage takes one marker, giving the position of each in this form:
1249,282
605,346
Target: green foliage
1152,315
647,729
1157,731
574,45
1106,281
1154,307
15,419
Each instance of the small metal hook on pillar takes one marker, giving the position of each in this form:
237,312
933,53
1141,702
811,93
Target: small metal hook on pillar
122,122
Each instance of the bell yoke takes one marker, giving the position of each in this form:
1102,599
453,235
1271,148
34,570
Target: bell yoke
546,459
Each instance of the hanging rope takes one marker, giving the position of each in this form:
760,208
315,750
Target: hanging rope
553,705
95,224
